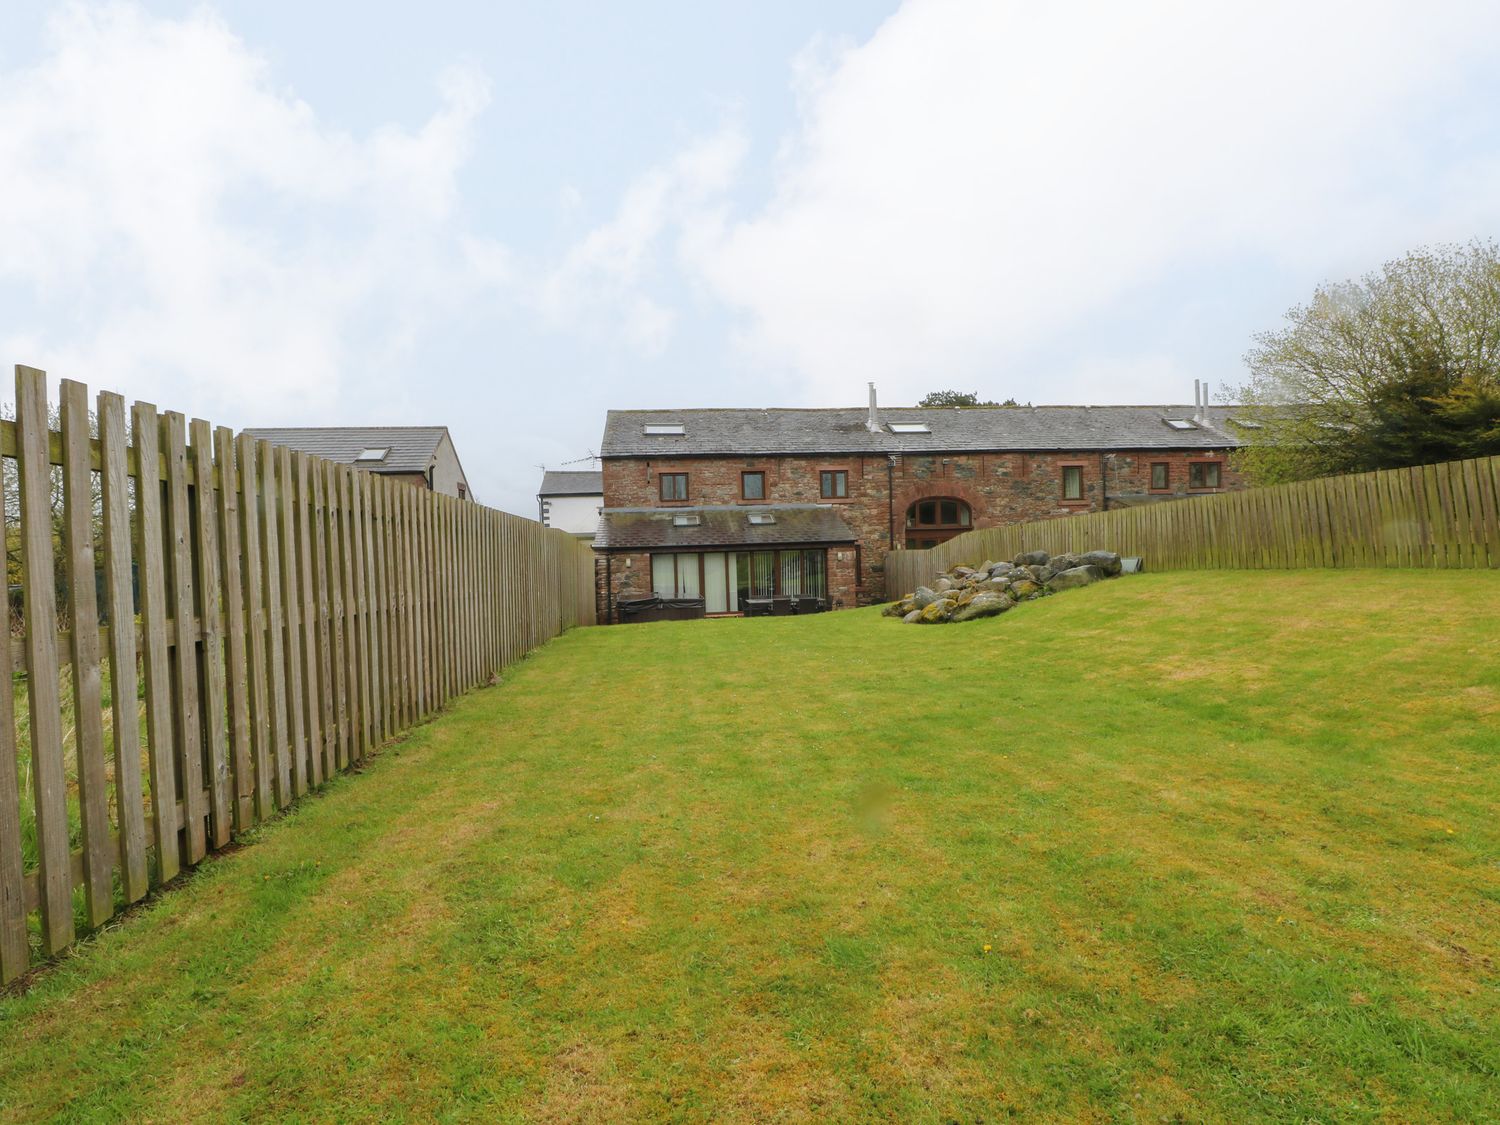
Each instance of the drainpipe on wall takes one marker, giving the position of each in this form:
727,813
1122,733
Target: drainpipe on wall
890,497
609,588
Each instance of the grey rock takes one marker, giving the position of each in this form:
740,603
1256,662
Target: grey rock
985,605
1107,561
937,612
1036,572
943,584
1032,558
924,596
913,618
1076,576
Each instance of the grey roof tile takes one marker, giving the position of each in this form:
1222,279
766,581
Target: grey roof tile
1022,428
558,482
721,526
411,447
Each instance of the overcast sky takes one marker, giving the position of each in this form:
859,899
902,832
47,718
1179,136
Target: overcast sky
508,218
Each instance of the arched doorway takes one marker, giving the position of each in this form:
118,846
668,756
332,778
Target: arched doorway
935,520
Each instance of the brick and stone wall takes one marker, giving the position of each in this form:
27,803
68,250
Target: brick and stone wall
999,488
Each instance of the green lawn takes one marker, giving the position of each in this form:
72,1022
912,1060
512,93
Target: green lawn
1179,847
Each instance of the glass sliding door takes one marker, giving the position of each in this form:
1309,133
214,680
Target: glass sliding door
715,583
814,574
664,576
791,574
763,574
688,585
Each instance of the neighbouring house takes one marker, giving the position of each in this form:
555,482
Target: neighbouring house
744,508
419,455
570,501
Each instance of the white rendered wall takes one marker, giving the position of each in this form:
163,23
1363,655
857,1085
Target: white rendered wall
577,515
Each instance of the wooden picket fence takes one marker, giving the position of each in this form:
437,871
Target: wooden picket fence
288,615
1425,516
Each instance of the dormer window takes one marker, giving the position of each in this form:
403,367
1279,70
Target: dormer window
664,429
910,428
374,453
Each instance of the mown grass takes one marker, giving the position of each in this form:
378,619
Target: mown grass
1183,847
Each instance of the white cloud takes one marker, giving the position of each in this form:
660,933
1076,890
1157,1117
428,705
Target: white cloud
605,278
980,178
185,228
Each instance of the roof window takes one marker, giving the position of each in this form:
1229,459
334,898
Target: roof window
1181,424
1245,423
910,428
762,517
692,520
375,453
663,429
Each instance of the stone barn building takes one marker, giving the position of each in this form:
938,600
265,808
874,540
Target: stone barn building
788,510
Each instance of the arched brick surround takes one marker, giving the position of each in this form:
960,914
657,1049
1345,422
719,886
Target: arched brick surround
912,491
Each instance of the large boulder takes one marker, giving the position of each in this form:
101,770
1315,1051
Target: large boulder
913,617
1107,561
1065,561
1076,576
924,597
985,605
1025,589
944,584
1001,568
1031,558
935,613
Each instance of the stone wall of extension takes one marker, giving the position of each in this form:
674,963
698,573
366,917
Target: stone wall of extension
1000,488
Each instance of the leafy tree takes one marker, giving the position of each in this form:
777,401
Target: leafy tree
1399,368
944,399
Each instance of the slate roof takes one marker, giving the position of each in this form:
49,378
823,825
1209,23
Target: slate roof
556,482
999,429
722,526
411,447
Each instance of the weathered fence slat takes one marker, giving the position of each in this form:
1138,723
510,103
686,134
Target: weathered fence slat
119,605
255,624
270,569
233,593
311,701
291,618
211,676
14,951
85,647
44,695
146,429
183,662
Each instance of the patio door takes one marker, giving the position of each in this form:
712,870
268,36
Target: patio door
716,586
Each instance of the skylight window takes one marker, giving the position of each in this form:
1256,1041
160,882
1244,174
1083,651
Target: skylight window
762,517
376,453
686,521
910,428
1181,424
664,429
1245,423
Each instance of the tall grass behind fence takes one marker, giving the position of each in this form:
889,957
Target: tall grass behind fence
213,626
1425,516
